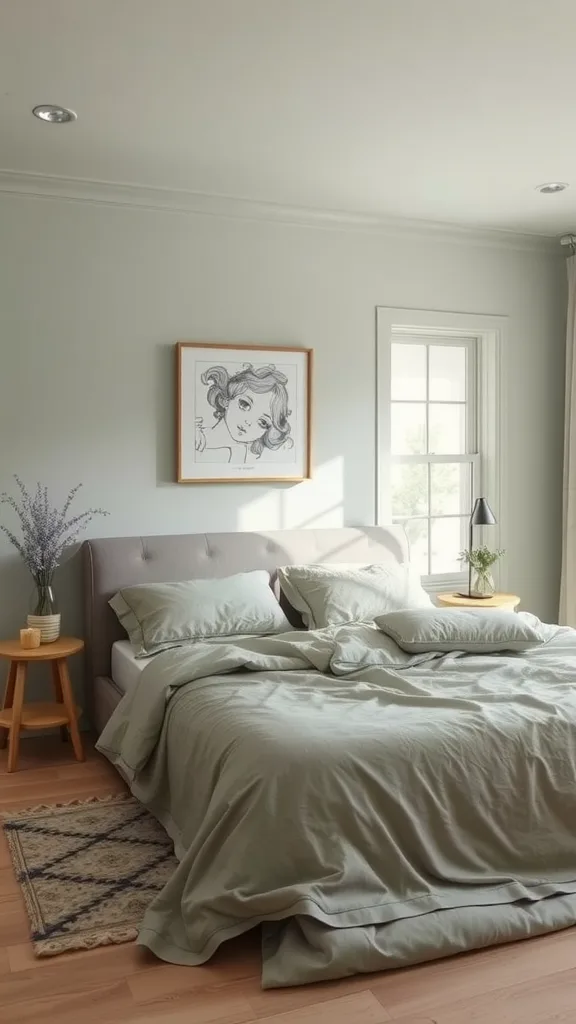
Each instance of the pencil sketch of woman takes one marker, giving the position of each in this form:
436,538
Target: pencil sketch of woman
251,413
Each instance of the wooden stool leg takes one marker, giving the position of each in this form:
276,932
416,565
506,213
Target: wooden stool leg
68,699
59,697
8,700
18,700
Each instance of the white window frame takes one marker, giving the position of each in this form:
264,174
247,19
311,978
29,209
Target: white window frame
489,334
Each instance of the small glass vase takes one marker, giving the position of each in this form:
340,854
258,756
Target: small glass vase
44,614
482,584
42,601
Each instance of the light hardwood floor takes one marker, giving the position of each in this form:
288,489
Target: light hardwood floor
530,982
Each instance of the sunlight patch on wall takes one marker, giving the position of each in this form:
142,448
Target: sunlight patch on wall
316,503
263,513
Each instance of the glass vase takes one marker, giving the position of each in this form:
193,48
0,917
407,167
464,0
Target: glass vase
482,584
44,614
42,601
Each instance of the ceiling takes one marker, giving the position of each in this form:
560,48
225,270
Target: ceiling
447,111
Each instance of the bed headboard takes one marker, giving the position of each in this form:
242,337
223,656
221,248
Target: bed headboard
115,562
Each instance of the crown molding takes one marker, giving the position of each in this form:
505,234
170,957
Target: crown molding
107,193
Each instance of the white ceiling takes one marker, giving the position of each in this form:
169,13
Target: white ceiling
442,110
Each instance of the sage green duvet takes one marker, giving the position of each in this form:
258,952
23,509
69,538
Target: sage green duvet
371,808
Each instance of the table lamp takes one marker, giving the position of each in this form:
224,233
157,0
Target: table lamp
482,515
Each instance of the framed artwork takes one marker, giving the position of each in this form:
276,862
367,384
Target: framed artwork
243,413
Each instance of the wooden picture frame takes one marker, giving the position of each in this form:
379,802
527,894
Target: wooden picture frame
243,413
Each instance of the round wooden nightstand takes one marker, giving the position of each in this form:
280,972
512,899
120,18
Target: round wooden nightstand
509,602
17,715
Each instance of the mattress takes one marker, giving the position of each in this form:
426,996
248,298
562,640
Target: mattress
126,667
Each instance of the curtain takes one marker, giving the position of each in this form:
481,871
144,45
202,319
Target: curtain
568,581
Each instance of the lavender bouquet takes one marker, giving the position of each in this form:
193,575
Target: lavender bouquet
46,533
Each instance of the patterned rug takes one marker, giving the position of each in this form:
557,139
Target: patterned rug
88,870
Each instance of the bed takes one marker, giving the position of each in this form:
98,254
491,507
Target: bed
113,562
368,808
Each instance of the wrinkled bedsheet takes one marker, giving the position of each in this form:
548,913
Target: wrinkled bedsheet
369,808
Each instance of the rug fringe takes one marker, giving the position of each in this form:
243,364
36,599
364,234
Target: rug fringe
53,947
26,891
23,812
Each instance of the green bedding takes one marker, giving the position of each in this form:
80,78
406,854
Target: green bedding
369,807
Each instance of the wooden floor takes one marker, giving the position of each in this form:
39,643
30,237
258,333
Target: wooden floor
530,982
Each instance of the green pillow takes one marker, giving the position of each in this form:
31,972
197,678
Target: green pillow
472,630
329,595
157,616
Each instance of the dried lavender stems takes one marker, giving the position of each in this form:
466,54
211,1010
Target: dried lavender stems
46,531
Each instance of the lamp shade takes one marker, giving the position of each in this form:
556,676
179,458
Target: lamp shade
482,514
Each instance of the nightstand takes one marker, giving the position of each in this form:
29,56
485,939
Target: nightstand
16,715
508,602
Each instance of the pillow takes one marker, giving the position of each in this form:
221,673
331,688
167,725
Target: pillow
158,616
472,630
328,595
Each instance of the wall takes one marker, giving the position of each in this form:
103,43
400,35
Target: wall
93,297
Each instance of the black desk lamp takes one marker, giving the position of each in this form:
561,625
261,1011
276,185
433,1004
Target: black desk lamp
482,515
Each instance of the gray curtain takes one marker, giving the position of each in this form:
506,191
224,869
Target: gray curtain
568,584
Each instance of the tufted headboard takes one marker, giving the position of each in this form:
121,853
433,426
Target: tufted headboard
115,562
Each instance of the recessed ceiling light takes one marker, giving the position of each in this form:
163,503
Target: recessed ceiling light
56,115
552,186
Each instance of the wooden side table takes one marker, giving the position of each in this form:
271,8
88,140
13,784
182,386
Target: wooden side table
508,602
16,715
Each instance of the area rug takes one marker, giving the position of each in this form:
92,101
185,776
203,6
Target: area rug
87,870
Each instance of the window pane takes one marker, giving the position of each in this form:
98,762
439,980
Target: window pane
408,373
447,424
447,373
448,539
450,491
409,490
417,533
408,428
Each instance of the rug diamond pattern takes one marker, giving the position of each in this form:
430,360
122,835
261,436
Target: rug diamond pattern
87,872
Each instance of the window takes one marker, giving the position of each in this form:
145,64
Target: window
437,411
434,451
